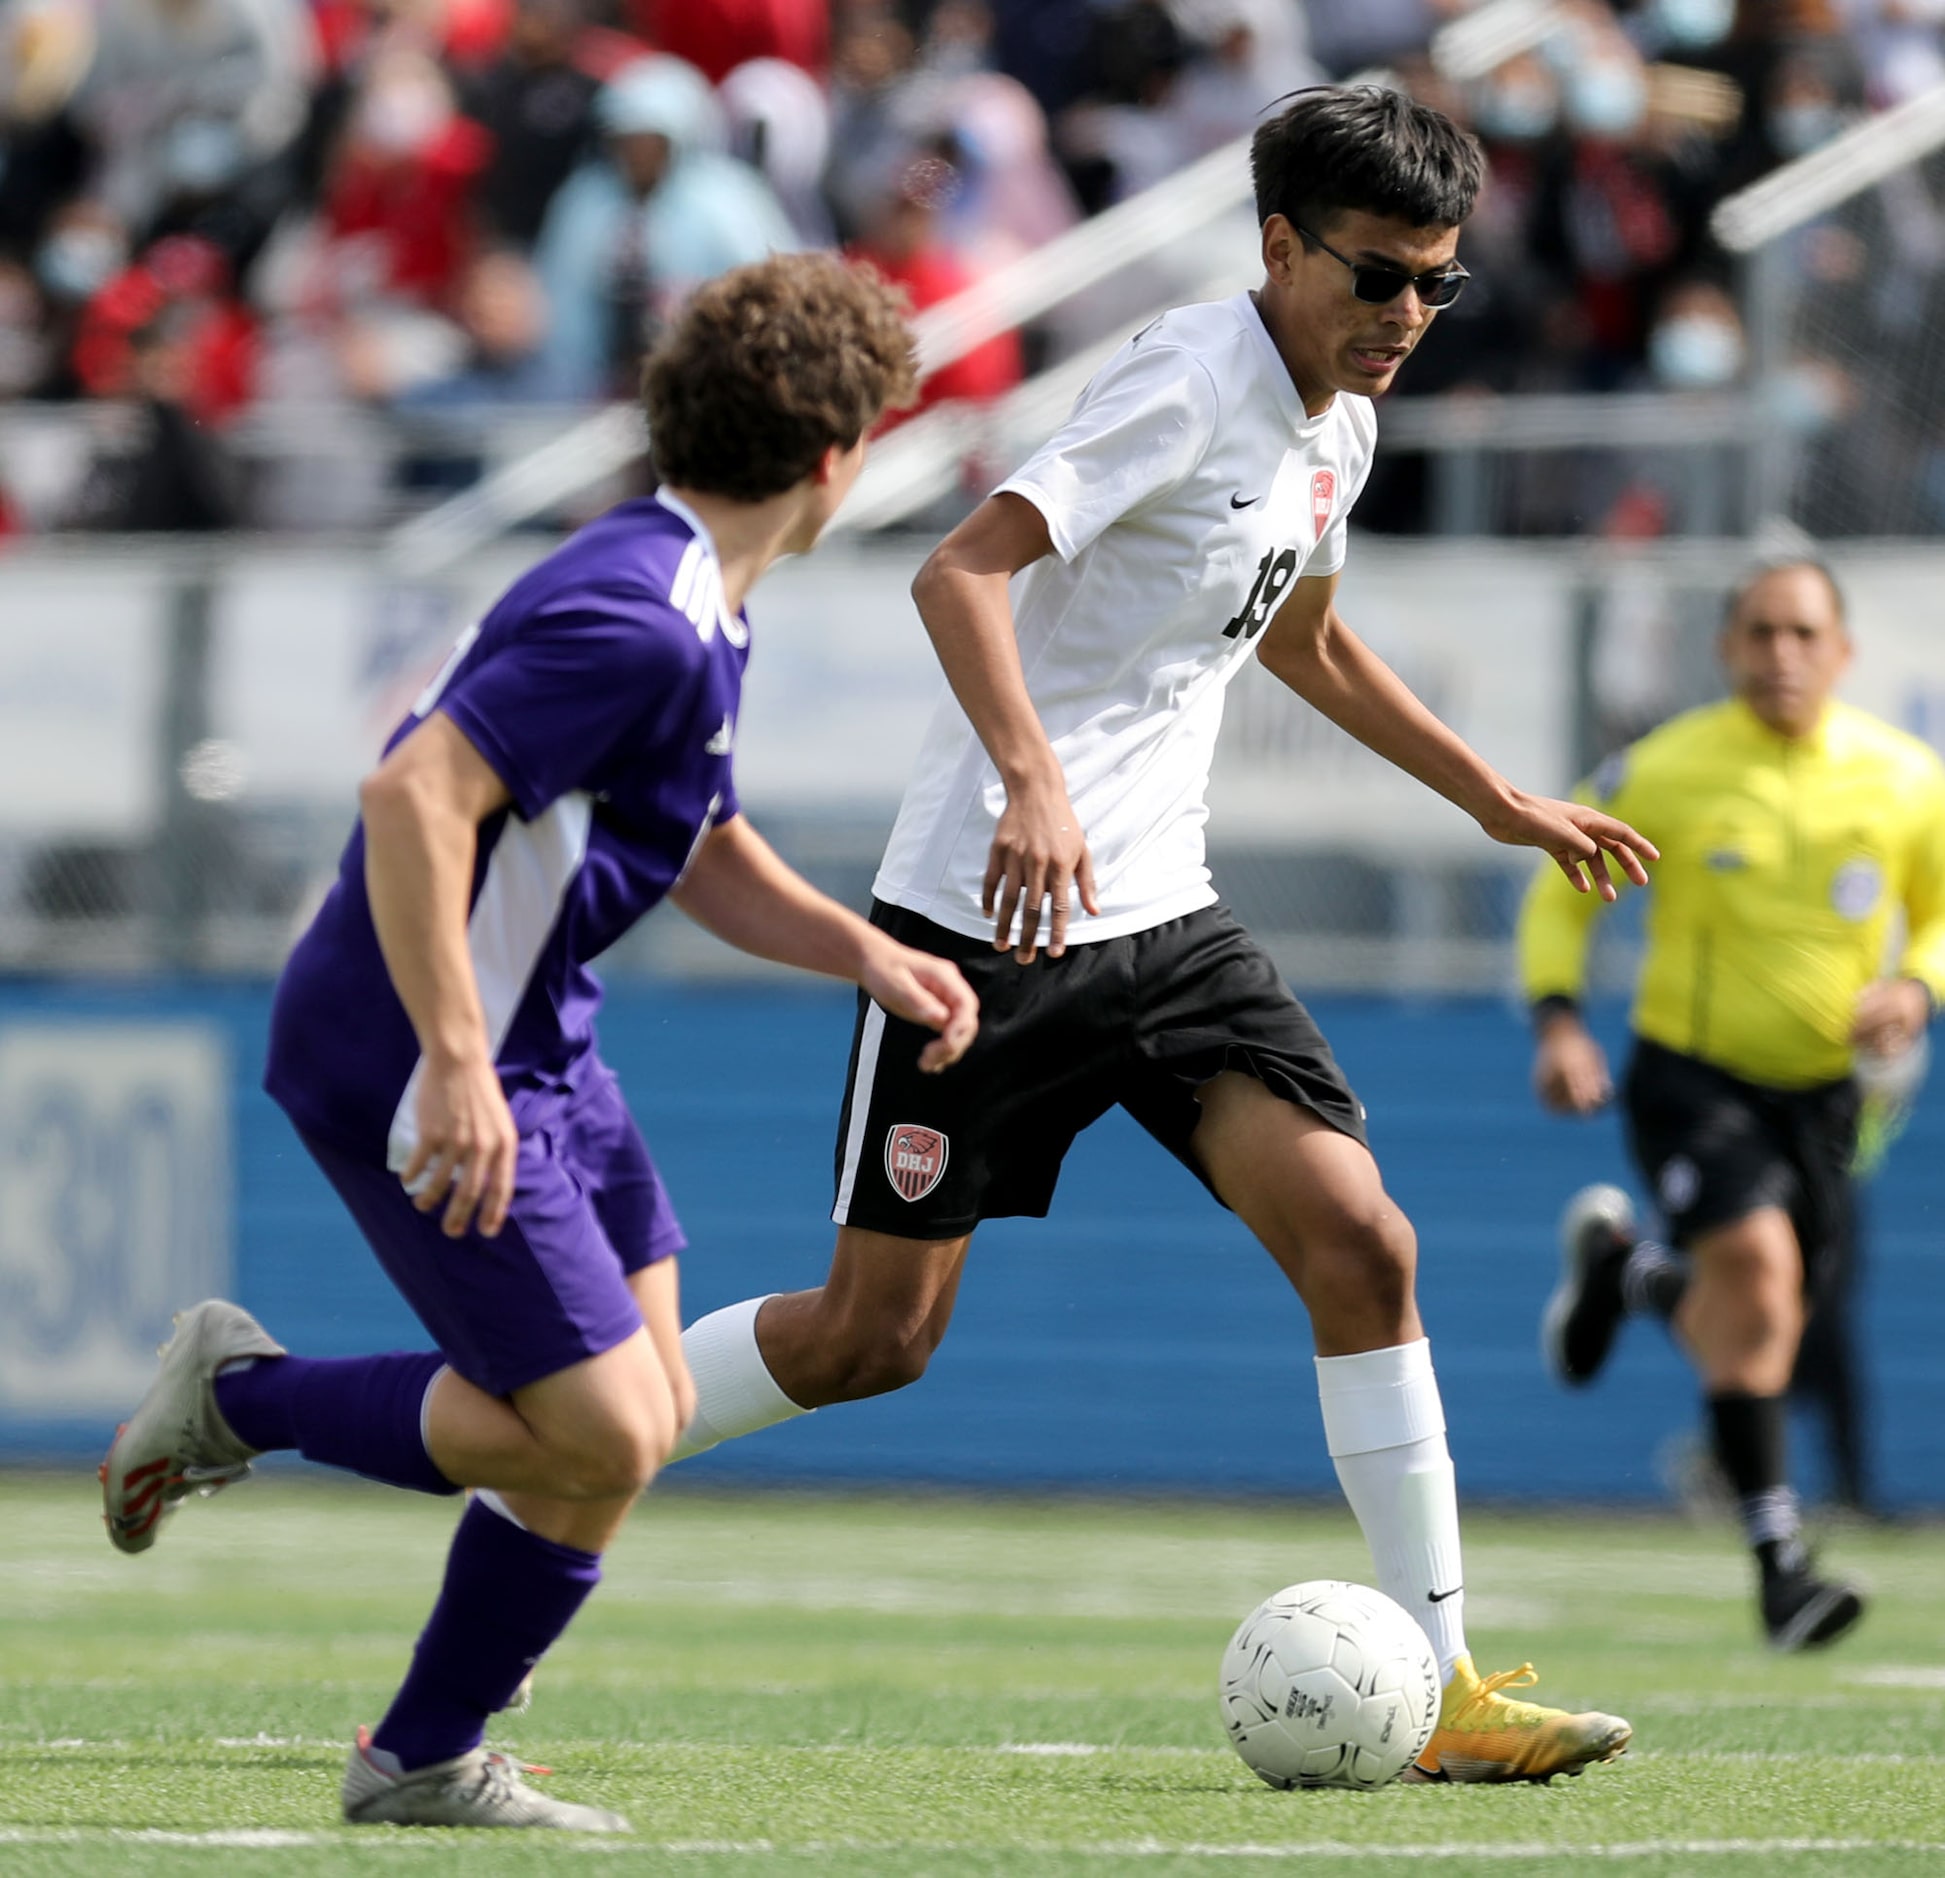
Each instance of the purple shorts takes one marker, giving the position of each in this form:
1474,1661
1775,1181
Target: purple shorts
551,1290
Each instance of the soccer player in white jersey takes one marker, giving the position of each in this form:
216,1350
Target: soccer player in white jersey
1089,616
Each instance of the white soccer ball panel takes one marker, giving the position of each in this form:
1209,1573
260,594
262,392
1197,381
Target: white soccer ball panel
1329,1684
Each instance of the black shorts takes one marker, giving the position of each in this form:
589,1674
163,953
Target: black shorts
1713,1148
1143,1021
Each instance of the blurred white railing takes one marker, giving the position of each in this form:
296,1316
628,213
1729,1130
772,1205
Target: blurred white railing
1753,224
1477,42
1860,158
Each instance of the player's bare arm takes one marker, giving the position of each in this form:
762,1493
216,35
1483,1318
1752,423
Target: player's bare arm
743,891
1039,848
1310,648
422,808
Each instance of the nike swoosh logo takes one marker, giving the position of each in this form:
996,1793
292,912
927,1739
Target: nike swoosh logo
1237,502
1439,1597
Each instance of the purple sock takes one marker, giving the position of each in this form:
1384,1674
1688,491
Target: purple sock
508,1594
357,1412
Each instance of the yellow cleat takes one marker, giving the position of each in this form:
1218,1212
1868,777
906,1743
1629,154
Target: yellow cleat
1484,1734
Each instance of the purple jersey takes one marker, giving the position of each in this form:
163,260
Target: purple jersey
603,689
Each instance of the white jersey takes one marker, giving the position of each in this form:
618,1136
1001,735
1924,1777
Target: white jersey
1184,496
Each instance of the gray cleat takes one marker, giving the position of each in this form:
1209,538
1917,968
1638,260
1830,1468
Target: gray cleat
177,1442
477,1789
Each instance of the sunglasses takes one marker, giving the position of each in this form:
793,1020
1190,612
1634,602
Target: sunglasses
1379,286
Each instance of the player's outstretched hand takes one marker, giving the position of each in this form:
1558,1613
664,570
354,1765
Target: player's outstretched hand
467,1146
1039,854
925,990
1577,837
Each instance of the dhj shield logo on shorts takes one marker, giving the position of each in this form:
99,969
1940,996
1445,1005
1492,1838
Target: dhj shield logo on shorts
1323,492
1680,1183
915,1159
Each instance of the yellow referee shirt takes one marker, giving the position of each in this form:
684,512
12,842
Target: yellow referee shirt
1781,863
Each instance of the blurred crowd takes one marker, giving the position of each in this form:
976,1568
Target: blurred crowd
217,208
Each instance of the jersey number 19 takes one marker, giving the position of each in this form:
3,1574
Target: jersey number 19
1273,574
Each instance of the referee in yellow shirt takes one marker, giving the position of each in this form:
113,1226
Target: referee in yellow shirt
1791,828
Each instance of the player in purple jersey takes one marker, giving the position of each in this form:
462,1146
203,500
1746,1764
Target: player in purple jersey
433,1038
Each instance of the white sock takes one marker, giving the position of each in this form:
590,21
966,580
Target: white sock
1386,1432
735,1392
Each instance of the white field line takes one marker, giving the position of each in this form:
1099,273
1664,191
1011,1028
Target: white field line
248,1836
1787,1757
1060,1750
279,1741
1310,1849
1899,1676
1508,1850
1717,1701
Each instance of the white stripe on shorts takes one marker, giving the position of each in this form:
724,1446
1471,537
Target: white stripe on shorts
874,1030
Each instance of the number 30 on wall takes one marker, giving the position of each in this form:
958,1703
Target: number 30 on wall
115,1205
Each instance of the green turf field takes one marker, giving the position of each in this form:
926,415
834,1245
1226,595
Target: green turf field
780,1685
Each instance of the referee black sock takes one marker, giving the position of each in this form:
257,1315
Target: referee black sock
1750,1443
1653,1280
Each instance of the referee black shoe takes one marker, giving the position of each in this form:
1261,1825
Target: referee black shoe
1597,1232
1802,1611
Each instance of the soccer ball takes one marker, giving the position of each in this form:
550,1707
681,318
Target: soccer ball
1329,1685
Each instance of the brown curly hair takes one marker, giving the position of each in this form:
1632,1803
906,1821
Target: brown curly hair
770,365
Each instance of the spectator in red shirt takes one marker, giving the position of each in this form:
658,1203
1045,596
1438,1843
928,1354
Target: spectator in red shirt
902,241
403,180
716,36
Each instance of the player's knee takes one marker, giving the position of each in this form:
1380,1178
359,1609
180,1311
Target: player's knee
617,1459
888,1357
1773,1314
1381,1256
1758,1280
613,1471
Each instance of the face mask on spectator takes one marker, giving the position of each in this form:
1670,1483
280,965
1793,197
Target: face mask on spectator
1695,22
1806,397
402,115
1693,352
1516,113
203,154
75,263
1797,129
1606,98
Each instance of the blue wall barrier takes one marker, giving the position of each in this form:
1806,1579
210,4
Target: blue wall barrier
1137,1339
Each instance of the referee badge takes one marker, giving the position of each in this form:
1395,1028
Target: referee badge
1855,887
915,1159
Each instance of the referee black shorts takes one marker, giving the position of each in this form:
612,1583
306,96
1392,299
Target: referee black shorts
1143,1021
1713,1148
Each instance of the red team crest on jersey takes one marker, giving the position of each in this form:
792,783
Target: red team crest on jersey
915,1159
1323,492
